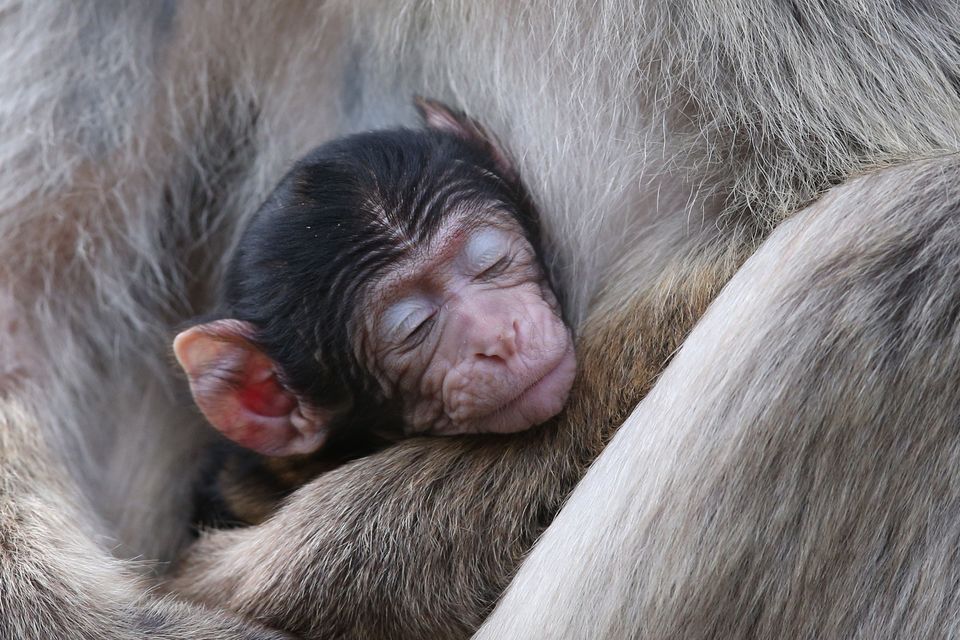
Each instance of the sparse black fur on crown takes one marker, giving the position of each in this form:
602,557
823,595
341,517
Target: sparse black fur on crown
301,267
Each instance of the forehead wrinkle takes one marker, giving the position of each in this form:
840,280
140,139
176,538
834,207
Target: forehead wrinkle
445,243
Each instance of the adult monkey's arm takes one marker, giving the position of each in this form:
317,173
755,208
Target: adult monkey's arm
794,472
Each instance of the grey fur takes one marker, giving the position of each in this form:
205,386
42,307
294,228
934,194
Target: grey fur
792,474
659,139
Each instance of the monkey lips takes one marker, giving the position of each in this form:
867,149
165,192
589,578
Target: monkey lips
492,404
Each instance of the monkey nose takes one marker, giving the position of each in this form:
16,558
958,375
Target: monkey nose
503,345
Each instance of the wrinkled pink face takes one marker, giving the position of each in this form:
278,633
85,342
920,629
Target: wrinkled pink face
467,334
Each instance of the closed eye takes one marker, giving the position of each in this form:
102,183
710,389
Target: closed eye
419,332
495,269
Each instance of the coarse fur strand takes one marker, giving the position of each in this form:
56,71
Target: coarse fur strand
659,140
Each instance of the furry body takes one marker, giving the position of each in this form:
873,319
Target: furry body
661,141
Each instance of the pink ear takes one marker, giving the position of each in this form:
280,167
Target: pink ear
237,389
440,117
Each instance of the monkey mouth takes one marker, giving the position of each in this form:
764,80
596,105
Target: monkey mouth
537,402
542,381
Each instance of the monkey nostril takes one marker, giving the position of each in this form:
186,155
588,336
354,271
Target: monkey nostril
502,347
497,349
494,350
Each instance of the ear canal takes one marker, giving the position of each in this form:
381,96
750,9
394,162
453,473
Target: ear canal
237,389
439,117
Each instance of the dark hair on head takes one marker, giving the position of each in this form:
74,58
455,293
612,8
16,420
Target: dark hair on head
337,220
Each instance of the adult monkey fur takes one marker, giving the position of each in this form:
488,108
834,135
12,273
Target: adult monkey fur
661,141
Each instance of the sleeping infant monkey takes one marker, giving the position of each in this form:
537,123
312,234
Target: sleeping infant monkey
390,286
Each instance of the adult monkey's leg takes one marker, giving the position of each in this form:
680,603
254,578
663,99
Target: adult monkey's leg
796,470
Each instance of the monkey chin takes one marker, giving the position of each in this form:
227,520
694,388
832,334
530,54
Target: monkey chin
542,399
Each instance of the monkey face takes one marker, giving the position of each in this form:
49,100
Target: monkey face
465,334
468,334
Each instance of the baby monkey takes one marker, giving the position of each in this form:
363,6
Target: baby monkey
392,285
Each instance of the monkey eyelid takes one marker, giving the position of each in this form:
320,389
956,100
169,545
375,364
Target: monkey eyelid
419,332
486,246
496,269
403,320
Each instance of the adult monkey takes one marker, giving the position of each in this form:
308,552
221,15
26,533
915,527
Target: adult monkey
132,134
